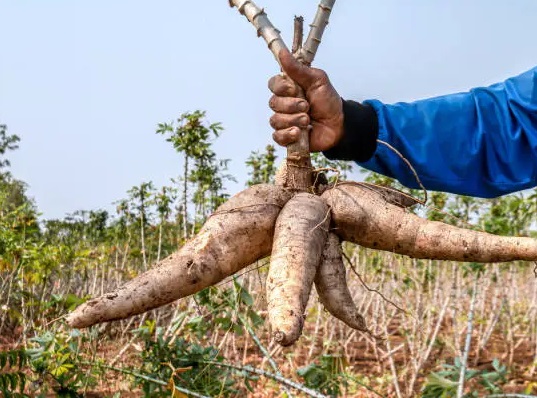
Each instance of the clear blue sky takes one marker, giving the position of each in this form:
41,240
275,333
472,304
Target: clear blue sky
84,83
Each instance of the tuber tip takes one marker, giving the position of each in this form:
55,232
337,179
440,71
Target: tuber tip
282,339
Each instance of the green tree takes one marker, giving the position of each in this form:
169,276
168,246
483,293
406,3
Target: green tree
7,143
140,197
12,191
262,166
163,201
208,177
436,209
18,213
191,135
510,215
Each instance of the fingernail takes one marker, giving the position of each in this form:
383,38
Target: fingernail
302,106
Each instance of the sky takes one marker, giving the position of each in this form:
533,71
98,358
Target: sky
85,83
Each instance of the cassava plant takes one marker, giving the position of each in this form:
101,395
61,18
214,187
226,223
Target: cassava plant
299,222
263,166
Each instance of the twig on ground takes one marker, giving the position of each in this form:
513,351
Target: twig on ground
279,379
143,377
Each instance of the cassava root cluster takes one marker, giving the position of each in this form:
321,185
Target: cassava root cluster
301,231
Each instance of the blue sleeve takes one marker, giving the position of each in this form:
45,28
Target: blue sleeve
481,143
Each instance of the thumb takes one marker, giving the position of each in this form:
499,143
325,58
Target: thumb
303,75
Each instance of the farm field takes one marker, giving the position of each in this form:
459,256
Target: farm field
430,320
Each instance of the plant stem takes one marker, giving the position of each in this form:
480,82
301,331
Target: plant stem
279,379
390,354
159,246
259,344
142,228
316,32
185,199
144,377
509,396
299,170
263,350
257,17
364,386
464,359
299,34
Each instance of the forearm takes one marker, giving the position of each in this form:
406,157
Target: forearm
481,143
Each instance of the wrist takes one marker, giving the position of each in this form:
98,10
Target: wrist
358,138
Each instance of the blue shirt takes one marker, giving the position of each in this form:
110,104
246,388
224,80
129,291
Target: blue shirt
481,143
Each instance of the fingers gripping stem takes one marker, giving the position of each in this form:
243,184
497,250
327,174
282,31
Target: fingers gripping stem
298,154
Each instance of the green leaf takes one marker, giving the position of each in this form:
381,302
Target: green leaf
23,357
246,298
225,323
12,377
256,319
12,357
22,383
248,385
238,329
437,380
470,374
61,370
195,321
304,370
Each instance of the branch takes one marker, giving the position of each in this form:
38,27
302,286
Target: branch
509,396
143,377
257,17
275,377
316,32
299,35
299,173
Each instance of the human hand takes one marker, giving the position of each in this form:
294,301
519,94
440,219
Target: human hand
322,111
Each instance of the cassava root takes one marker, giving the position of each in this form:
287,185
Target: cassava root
236,235
299,239
241,231
331,286
364,217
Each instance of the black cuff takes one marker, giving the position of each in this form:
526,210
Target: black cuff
360,133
